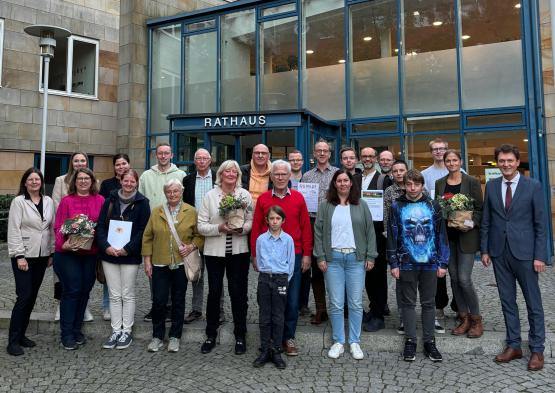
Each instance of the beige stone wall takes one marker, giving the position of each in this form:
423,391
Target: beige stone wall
73,123
133,69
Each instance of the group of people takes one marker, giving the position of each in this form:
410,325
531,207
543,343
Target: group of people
338,248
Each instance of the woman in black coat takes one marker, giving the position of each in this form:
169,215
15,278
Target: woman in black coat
121,262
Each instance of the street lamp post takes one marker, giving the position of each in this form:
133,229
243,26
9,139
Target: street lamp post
48,36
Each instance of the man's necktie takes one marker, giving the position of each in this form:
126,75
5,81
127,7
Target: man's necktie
508,196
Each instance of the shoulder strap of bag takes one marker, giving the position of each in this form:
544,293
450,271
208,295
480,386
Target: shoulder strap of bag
172,227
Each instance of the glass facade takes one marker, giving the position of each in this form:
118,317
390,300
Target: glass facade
392,74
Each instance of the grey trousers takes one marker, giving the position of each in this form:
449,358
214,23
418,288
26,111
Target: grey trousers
425,282
460,270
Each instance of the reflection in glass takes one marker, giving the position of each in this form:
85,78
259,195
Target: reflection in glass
200,73
57,76
391,143
429,56
324,58
492,54
280,9
280,142
166,75
238,61
279,64
480,150
417,149
374,90
187,145
205,24
222,148
83,68
432,123
248,141
381,126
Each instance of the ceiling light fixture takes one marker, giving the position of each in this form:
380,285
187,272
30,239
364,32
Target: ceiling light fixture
437,23
367,38
465,37
309,51
525,140
341,61
416,13
517,5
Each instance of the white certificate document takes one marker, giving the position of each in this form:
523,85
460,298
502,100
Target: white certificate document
119,233
310,193
374,200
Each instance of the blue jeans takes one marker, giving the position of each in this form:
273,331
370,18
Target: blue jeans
77,275
345,272
292,306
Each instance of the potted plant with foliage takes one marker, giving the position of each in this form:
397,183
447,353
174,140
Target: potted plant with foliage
79,231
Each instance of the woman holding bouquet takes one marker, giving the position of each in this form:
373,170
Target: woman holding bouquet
464,242
225,219
75,261
30,246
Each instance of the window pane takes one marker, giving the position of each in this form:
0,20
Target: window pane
480,151
247,142
280,142
83,75
492,54
391,143
200,73
279,64
57,71
435,123
418,152
187,145
205,24
280,9
222,149
374,90
238,61
324,75
166,76
493,120
375,127
429,56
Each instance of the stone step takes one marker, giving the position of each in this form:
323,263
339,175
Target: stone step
309,338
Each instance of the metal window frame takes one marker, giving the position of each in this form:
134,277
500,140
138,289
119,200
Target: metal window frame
1,48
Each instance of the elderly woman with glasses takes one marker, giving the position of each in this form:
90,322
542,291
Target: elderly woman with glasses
163,262
226,251
76,267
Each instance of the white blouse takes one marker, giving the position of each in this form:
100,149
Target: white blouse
342,235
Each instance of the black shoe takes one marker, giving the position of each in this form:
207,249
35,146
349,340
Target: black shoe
262,359
148,317
69,345
240,346
386,311
430,350
366,316
193,316
208,345
26,342
373,325
80,339
409,352
277,360
15,349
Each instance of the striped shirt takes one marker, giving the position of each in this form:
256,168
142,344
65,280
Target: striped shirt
203,184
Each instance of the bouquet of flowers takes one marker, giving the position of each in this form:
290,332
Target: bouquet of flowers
80,232
457,209
232,208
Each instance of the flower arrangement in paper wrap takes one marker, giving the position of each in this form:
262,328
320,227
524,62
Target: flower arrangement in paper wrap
80,232
232,208
457,209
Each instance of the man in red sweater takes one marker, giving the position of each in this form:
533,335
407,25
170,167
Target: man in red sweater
297,225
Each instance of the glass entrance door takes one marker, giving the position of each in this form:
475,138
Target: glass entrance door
233,146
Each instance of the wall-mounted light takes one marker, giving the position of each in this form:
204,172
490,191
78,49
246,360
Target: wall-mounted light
517,5
525,140
309,51
367,38
437,23
465,37
341,61
416,13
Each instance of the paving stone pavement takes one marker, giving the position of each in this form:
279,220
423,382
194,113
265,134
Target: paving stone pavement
48,368
91,369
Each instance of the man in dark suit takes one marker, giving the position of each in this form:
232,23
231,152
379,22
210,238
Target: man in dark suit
513,236
196,185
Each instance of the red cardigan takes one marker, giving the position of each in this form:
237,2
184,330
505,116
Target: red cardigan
297,221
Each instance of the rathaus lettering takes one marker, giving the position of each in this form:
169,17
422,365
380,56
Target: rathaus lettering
235,121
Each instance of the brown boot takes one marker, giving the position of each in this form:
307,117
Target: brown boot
463,326
476,328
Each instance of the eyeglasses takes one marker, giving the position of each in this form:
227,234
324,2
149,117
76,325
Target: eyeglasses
364,157
202,159
321,151
83,179
173,192
260,153
280,174
438,149
295,160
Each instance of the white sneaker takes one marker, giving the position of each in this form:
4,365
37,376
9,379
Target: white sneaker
88,316
106,316
356,352
173,345
336,350
155,345
57,314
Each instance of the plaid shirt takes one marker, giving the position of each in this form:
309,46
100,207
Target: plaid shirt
323,179
202,186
